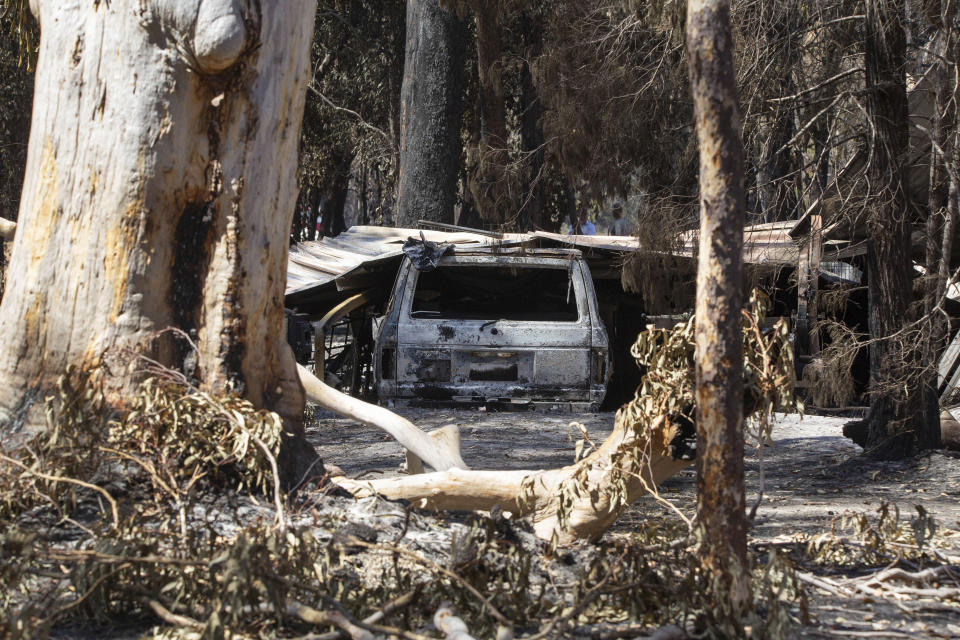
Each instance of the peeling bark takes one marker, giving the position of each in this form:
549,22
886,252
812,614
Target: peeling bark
150,201
719,350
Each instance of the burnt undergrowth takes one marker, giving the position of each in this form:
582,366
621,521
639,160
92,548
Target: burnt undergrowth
167,517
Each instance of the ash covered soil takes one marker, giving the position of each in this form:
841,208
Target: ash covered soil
812,476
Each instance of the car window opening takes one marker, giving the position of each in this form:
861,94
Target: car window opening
468,292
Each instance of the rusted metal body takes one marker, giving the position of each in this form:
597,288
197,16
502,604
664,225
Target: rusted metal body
512,327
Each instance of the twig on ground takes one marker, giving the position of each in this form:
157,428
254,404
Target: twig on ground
327,618
172,618
385,610
49,478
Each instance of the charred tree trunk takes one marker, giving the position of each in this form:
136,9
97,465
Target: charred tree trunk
531,135
775,165
430,114
490,194
719,355
939,218
159,192
339,190
774,193
896,424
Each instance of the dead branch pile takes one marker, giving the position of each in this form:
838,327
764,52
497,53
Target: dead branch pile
169,514
885,558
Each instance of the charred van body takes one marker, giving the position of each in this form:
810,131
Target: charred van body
517,327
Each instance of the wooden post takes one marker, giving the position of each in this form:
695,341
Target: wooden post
815,247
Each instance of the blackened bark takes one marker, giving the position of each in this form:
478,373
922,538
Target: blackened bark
430,105
777,200
364,200
493,142
776,165
820,133
895,422
338,196
719,359
937,263
532,214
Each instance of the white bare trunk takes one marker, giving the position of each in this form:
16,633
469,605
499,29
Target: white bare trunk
159,190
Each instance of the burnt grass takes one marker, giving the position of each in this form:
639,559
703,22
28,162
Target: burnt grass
812,476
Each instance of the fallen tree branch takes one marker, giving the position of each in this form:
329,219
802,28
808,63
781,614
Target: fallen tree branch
80,483
918,577
824,584
384,611
439,453
586,509
327,618
342,614
407,553
172,618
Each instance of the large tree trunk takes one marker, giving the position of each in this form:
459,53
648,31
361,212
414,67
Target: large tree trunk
160,185
896,423
719,354
430,114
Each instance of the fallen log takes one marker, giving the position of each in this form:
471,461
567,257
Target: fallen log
581,500
442,452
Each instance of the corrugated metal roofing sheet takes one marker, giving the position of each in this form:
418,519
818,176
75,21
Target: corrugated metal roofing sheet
324,261
321,261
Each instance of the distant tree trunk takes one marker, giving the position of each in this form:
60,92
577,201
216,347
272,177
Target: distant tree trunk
531,135
719,356
895,423
939,226
364,200
775,166
430,103
159,192
336,224
490,197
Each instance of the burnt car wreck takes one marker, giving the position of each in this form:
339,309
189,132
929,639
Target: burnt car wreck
494,326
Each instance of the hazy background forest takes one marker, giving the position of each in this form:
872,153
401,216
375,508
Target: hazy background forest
560,105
